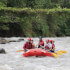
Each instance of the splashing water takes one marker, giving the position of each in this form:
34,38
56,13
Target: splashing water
15,61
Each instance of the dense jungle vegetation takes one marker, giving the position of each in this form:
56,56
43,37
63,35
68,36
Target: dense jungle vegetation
34,18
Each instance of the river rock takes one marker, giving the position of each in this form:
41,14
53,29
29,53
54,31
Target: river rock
3,41
20,40
2,51
13,41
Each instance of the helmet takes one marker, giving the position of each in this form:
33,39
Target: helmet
47,40
51,41
29,39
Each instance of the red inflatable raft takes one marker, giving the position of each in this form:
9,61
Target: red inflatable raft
37,52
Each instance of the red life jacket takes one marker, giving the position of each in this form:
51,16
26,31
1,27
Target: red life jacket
47,47
41,43
27,46
53,46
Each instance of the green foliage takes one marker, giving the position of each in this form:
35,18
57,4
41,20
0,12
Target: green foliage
2,4
16,3
30,3
37,3
34,22
34,17
4,27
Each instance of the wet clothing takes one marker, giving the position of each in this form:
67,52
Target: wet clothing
52,49
28,45
53,46
48,46
41,43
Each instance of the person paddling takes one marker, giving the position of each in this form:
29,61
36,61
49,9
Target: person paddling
46,46
50,45
40,43
33,45
52,49
28,45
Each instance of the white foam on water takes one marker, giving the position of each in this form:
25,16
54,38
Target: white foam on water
40,67
5,67
15,61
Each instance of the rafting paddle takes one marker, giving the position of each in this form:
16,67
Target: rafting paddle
63,51
55,55
58,52
19,50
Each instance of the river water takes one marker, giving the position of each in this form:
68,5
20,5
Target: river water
15,61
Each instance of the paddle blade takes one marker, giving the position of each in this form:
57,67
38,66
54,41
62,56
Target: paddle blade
55,55
58,52
19,50
63,51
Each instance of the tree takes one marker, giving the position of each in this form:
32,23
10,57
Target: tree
3,3
16,3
